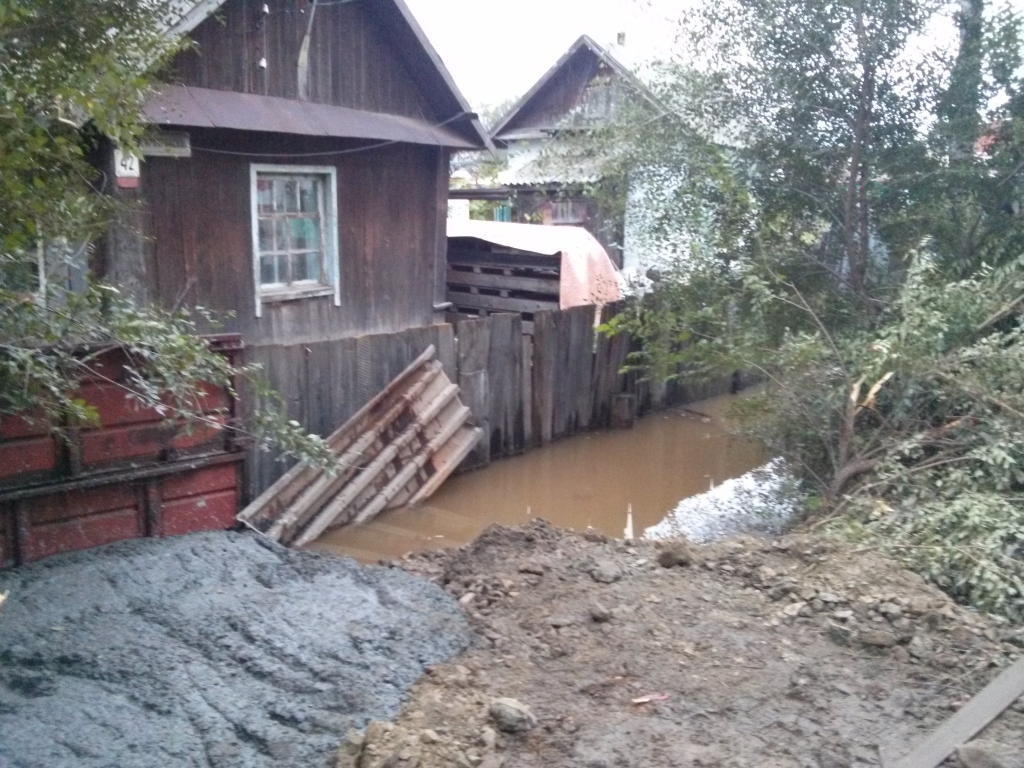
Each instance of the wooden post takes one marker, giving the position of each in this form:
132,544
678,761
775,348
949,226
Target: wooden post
545,347
623,411
526,393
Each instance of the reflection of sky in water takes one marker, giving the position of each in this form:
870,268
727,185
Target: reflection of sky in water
588,480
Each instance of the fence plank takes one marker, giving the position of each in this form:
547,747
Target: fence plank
527,390
473,343
545,349
505,384
609,358
581,361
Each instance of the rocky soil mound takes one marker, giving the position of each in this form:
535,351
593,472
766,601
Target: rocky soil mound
750,653
215,649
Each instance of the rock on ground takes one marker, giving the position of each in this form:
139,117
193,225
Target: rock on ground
216,649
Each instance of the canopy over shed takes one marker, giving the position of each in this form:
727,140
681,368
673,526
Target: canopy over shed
587,274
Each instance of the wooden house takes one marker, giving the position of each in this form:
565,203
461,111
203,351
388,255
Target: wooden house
294,182
583,90
297,172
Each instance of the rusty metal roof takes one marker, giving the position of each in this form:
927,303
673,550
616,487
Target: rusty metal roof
187,106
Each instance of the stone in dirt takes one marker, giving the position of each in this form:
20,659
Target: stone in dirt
840,634
605,572
878,638
981,754
537,569
676,553
600,614
512,716
214,649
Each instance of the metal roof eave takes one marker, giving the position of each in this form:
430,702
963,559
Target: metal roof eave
185,106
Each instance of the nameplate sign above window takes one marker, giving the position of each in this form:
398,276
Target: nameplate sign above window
166,144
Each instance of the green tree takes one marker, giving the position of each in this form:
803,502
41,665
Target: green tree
835,192
74,73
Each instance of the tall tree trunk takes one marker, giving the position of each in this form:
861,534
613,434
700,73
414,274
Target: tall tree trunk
856,219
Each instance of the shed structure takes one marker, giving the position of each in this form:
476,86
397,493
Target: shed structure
498,267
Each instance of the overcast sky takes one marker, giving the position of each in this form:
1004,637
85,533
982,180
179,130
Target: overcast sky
497,50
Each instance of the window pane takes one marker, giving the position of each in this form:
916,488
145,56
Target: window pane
300,267
306,266
267,270
308,195
266,235
281,238
282,268
278,186
305,234
291,196
313,265
264,195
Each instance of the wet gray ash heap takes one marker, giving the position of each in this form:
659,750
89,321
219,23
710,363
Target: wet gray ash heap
214,649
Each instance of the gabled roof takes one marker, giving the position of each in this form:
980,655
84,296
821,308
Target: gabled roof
582,46
423,61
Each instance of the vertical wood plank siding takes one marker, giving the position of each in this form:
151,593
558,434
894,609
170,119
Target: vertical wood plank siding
522,390
560,95
353,61
389,203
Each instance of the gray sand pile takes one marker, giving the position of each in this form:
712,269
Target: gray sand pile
214,649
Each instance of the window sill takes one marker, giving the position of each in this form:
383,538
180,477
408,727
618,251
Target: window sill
293,294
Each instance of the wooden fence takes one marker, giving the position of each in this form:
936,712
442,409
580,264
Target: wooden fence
523,390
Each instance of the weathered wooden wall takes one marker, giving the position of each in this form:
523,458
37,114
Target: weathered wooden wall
524,391
353,59
391,202
324,383
560,95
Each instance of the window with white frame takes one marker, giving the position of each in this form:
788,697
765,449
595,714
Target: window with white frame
294,232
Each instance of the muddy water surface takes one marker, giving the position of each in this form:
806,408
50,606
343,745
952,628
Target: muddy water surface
587,480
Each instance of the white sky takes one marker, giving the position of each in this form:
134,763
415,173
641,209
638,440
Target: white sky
498,50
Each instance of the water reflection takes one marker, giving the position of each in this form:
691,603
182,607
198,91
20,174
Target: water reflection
588,480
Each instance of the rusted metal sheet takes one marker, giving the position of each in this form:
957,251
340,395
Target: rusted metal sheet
133,473
396,450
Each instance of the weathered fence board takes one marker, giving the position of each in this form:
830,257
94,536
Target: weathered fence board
523,390
609,358
325,383
505,385
545,354
474,347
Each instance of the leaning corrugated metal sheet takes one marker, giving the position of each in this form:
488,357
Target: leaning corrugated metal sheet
396,450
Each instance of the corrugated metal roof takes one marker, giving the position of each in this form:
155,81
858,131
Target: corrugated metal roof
186,106
546,162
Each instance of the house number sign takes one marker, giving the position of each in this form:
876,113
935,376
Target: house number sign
126,170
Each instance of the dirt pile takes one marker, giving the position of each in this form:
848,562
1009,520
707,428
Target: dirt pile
208,650
785,653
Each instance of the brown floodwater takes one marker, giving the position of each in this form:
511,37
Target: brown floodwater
592,479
